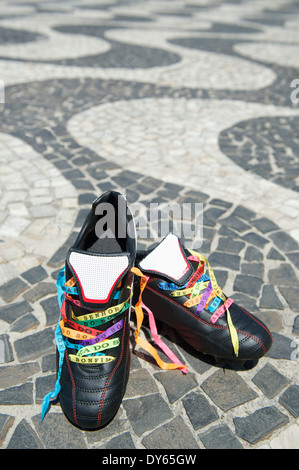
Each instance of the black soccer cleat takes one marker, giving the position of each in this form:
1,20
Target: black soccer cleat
92,335
181,291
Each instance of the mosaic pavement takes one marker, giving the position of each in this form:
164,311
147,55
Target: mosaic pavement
184,101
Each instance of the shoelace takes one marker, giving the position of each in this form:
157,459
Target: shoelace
90,343
80,334
210,299
212,296
143,343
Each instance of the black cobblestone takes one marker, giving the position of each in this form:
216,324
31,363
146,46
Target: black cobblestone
24,437
140,383
122,441
283,241
35,345
282,347
172,435
253,254
199,410
250,285
269,298
17,374
56,432
175,384
276,134
225,260
220,437
283,275
12,312
227,389
50,307
11,289
40,290
35,275
7,354
147,412
27,322
291,296
270,381
19,395
259,424
290,400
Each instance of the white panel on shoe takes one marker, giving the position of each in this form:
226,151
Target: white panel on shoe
97,275
167,258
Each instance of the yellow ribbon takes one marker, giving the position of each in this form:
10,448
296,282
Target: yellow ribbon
143,343
219,293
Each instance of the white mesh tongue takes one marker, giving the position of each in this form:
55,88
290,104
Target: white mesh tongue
97,275
167,258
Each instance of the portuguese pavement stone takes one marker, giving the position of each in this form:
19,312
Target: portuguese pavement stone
24,437
290,400
167,437
169,102
199,410
259,424
147,412
270,381
175,384
227,389
220,437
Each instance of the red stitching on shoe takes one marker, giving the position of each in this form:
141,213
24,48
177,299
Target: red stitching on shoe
73,387
206,323
186,310
254,338
101,404
257,321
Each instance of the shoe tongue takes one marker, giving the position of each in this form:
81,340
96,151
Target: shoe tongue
169,261
97,276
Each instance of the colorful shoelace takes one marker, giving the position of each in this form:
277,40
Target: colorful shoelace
202,290
80,333
143,343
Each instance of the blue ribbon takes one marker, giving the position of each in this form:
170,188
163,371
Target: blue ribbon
172,286
61,342
52,395
214,305
60,346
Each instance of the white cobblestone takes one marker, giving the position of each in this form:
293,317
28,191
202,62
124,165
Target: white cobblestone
287,439
195,153
39,185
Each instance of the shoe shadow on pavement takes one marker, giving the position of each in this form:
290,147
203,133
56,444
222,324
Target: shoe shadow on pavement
183,350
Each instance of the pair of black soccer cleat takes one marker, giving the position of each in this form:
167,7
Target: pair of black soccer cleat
95,290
